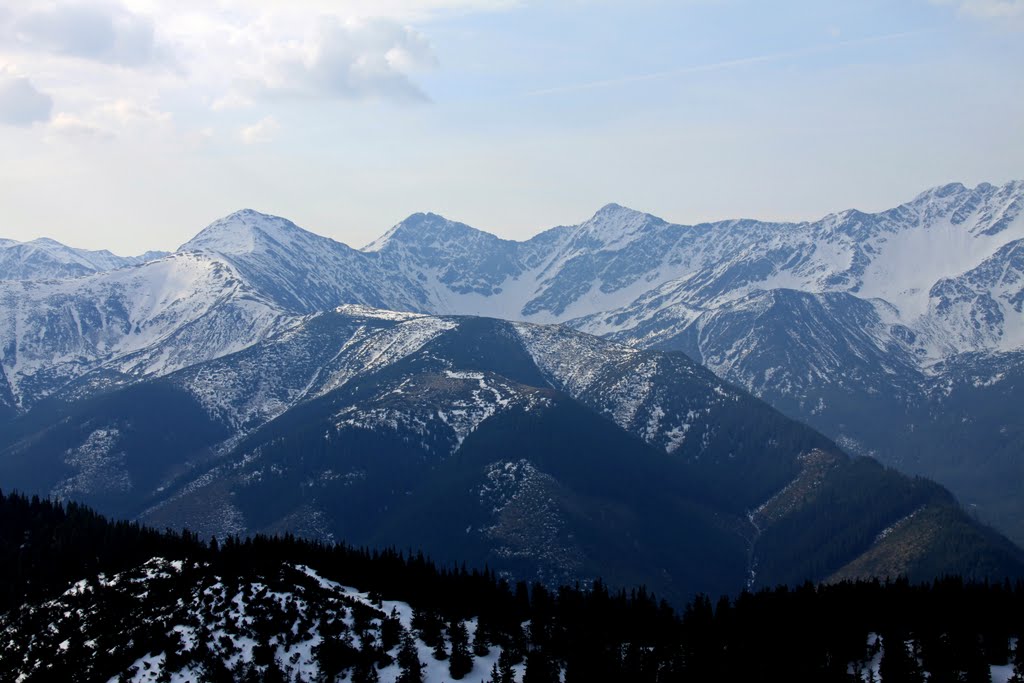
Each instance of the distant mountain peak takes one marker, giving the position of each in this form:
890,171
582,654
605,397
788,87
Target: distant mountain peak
950,190
410,226
421,228
613,209
244,232
46,258
48,242
615,225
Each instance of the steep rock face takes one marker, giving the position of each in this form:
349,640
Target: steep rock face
796,340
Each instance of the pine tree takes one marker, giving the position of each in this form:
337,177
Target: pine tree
274,674
481,643
976,669
365,672
391,631
409,661
539,668
461,662
505,664
1018,663
898,664
440,654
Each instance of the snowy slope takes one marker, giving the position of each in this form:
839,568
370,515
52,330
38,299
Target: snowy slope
638,391
204,625
319,354
899,258
145,320
540,451
300,271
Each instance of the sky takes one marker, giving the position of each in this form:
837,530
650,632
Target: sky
132,124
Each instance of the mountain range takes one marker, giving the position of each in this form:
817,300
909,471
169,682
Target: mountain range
264,378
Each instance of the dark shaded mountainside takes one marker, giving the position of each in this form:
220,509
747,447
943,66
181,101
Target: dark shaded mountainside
544,453
85,599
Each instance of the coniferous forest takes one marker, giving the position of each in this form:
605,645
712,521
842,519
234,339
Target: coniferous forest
84,598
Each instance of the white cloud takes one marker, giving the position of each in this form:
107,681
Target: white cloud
106,33
21,104
353,59
260,132
96,57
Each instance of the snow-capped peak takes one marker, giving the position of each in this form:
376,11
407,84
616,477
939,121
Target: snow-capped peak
414,223
613,209
615,225
424,228
244,232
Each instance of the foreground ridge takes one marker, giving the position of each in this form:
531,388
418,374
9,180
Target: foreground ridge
278,609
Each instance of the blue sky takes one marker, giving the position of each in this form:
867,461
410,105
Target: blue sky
131,124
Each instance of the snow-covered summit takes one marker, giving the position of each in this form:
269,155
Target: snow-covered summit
614,226
428,230
247,231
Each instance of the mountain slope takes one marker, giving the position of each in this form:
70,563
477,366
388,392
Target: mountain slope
540,451
146,320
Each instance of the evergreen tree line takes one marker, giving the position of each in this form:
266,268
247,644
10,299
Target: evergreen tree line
950,628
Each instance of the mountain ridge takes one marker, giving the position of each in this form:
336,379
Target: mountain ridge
899,316
47,258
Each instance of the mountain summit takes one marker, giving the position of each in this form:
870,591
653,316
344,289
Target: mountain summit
246,231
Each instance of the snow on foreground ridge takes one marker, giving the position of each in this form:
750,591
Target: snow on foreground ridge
297,661
214,621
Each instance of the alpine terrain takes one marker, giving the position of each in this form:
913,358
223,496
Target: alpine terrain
417,393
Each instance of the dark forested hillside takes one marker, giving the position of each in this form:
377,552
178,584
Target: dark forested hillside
86,599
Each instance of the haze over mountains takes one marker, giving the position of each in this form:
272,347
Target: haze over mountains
897,333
